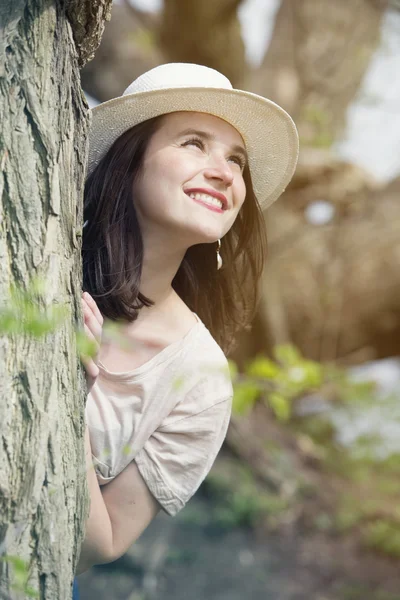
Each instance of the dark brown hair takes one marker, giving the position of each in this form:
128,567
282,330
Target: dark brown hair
112,250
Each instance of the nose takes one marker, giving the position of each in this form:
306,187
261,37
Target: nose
219,169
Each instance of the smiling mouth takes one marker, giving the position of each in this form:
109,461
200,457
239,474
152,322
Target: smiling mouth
209,201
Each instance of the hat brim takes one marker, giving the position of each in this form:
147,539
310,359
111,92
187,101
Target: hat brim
269,134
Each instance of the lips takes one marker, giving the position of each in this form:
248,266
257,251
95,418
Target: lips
211,198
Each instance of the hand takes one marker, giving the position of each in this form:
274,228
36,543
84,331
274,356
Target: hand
93,325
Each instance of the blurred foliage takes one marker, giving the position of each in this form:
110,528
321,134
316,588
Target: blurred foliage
367,503
20,569
383,535
28,313
281,380
288,376
359,592
85,346
320,122
145,39
237,500
368,486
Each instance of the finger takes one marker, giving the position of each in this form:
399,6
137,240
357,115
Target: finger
93,307
92,338
89,362
91,369
91,322
90,352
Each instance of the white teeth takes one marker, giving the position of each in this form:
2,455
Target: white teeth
206,198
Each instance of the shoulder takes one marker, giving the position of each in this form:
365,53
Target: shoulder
203,352
205,340
180,452
202,378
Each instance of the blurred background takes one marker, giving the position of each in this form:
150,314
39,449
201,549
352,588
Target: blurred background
303,502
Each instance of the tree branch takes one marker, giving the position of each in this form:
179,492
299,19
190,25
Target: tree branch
87,20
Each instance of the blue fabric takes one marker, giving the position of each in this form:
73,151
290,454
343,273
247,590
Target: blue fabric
75,591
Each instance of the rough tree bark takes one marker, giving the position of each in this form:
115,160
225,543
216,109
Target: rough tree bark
44,121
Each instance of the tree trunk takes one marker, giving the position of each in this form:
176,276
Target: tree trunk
205,32
318,55
43,147
127,50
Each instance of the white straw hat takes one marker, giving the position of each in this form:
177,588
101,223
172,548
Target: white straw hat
269,134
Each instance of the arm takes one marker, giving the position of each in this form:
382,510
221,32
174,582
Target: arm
119,512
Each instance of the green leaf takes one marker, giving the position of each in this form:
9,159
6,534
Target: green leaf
287,354
113,331
127,449
263,367
384,535
37,287
178,383
306,374
244,396
296,374
145,39
85,346
9,323
280,406
316,115
233,369
20,575
28,314
106,453
31,592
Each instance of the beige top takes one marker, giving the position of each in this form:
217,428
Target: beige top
170,415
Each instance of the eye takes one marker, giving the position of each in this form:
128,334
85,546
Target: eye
194,142
238,160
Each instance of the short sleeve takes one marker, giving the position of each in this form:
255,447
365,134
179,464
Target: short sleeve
178,456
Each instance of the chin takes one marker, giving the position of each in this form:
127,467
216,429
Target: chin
203,236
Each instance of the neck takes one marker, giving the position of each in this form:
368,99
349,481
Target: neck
160,265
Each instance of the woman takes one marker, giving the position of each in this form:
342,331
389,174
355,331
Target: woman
180,167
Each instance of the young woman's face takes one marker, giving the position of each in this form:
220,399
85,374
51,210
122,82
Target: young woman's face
191,183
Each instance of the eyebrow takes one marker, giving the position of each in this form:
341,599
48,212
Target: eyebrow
211,137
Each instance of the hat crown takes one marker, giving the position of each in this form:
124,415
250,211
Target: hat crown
178,75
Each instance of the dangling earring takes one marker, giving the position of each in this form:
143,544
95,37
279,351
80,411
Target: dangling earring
219,258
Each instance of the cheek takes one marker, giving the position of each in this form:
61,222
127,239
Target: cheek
158,186
171,174
155,181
